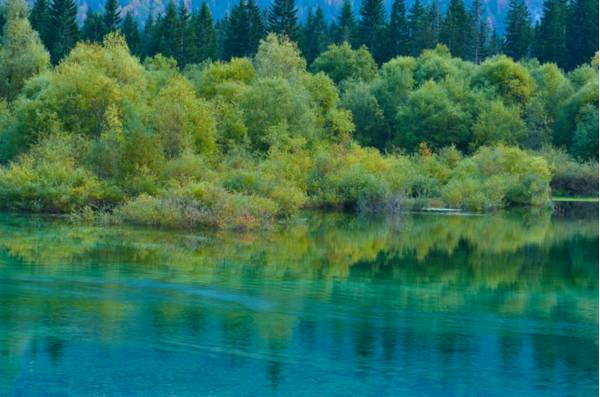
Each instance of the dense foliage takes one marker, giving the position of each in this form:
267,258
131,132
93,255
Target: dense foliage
566,33
245,142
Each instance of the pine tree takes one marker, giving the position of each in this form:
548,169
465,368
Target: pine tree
371,27
166,31
64,29
237,32
417,28
345,26
518,30
40,20
481,31
457,30
283,18
257,30
93,27
550,43
314,40
184,46
148,45
582,31
132,34
432,25
204,35
494,45
397,31
112,16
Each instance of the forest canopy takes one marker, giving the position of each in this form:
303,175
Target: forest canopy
242,143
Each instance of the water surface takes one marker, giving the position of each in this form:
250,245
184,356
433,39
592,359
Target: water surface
420,305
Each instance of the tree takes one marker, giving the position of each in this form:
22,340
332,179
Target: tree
582,31
149,37
397,31
283,18
40,20
22,54
183,34
342,63
371,27
314,40
93,27
237,32
132,34
457,30
257,30
204,35
518,30
550,44
64,32
417,28
165,32
112,16
481,32
345,25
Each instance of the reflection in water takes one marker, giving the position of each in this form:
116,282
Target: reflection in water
419,305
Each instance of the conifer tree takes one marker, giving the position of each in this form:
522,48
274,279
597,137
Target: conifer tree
518,30
132,34
582,31
371,27
417,28
237,32
148,37
166,31
93,27
481,31
64,29
345,25
550,43
257,30
314,40
397,31
283,18
112,16
40,20
183,45
457,30
205,41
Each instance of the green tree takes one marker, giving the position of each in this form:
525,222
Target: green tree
93,27
183,36
64,31
344,27
550,44
204,35
314,40
257,30
457,30
165,32
342,63
40,20
132,34
237,32
582,32
283,18
397,31
481,32
518,30
112,16
498,124
371,27
417,28
22,54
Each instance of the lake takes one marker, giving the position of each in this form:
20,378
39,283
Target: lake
331,305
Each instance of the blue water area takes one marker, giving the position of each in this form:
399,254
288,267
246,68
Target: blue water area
504,304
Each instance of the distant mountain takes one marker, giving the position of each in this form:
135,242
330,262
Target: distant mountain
495,9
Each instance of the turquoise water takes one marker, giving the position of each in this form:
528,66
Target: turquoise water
419,305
